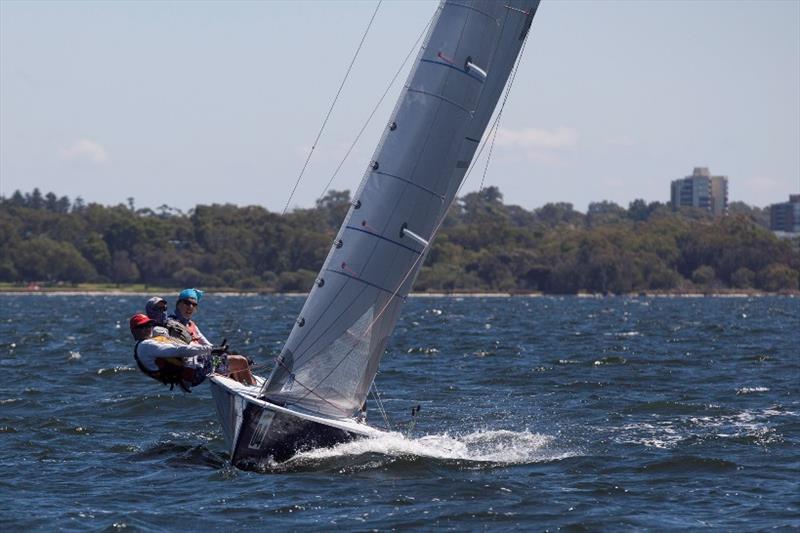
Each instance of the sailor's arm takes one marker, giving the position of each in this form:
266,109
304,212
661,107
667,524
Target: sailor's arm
149,350
187,350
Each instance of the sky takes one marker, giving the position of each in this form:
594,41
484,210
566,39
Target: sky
185,103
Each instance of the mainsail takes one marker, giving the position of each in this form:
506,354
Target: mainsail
331,356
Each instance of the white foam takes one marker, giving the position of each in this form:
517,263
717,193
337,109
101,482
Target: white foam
501,446
749,390
10,400
669,434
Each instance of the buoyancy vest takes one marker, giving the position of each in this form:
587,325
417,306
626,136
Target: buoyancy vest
171,370
194,331
186,330
178,331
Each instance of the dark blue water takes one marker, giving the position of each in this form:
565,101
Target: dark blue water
537,413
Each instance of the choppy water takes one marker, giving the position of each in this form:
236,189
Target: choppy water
537,413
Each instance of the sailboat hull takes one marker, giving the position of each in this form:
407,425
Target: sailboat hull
269,434
257,431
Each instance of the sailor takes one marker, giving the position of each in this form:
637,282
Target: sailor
173,362
185,308
156,309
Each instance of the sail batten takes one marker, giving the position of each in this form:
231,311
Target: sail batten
330,359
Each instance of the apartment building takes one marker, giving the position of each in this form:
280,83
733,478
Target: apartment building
701,190
785,216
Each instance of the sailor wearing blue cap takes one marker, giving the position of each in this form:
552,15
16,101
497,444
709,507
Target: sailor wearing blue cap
185,308
190,294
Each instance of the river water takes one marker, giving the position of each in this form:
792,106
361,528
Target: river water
537,413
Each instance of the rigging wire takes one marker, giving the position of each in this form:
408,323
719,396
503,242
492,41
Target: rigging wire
496,125
310,390
375,109
377,396
493,134
330,110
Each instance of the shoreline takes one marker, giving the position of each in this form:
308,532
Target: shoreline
94,291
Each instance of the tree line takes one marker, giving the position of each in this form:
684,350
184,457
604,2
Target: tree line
483,245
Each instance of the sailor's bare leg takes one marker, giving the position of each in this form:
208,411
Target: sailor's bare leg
240,370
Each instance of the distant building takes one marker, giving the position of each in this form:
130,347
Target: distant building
786,216
701,190
719,195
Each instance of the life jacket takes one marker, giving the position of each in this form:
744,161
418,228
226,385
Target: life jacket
191,327
178,331
188,332
171,370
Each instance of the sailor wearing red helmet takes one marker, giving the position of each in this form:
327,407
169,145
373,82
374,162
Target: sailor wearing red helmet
173,362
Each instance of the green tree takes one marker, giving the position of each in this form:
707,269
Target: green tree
703,275
777,277
123,270
743,278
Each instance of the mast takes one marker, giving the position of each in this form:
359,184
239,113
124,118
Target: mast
331,356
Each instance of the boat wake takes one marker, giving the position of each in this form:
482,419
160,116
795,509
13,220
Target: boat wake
481,449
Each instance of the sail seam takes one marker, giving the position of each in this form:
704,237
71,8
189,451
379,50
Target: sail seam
440,97
462,71
410,182
476,10
365,282
354,228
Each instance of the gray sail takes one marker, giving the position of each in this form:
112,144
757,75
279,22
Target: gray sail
331,356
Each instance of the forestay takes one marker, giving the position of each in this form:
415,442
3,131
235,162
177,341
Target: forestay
331,356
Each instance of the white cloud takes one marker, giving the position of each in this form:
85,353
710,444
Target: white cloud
536,143
85,149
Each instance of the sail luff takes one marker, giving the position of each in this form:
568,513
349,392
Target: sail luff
332,354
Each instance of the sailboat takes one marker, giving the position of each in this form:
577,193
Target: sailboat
316,394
